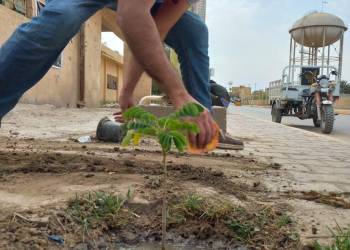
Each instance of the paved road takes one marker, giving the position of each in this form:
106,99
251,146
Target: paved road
341,129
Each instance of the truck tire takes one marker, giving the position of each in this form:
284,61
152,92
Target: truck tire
276,114
327,119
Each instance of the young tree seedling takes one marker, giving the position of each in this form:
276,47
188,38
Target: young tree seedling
169,131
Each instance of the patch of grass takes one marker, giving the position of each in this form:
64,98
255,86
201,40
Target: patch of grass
195,206
193,202
284,220
341,240
98,208
244,224
244,231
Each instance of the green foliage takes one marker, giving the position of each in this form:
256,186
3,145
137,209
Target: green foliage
193,202
284,220
344,87
341,240
170,131
244,231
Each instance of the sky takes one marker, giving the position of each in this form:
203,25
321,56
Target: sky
249,39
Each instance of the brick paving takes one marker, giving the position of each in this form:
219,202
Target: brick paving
309,162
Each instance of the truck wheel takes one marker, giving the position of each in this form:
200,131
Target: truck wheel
317,122
327,121
276,114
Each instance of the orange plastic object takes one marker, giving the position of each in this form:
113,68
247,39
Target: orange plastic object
192,149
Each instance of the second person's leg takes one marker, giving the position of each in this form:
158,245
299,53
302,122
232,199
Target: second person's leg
189,38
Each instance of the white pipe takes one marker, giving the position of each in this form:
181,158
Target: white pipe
147,100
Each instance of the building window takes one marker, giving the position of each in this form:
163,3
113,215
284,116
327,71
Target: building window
16,5
112,82
39,7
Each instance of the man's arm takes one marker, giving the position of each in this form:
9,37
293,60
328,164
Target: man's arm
141,34
165,18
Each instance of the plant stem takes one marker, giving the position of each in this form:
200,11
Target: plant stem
165,192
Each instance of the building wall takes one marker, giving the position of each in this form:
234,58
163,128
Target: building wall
200,8
241,91
59,87
111,64
93,89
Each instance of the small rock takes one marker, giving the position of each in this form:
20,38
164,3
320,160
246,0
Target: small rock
81,246
97,162
89,175
36,247
129,163
129,238
276,166
314,230
153,182
34,231
256,184
218,173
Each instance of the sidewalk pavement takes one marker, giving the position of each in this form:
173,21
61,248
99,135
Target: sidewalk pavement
309,162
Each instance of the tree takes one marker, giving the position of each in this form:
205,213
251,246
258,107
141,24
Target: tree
344,87
169,131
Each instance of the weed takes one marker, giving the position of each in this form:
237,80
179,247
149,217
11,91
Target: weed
341,240
244,231
193,202
217,211
284,220
94,209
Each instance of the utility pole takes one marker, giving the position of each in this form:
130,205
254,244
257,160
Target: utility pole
324,4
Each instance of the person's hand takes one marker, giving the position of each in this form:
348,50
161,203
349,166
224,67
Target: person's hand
125,101
207,128
205,122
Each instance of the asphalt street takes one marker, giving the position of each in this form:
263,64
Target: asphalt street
341,127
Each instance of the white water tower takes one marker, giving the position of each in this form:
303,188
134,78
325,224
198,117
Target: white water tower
316,41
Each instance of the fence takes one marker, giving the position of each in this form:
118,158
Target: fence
257,101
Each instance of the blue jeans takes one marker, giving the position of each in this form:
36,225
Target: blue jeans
33,48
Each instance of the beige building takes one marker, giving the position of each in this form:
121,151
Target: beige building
111,74
200,8
241,91
88,74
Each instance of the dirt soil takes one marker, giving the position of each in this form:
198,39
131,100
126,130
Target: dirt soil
38,179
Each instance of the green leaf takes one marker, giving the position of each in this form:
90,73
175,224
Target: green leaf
147,131
189,110
162,121
190,127
138,113
179,140
165,140
137,125
127,138
179,125
136,138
